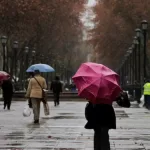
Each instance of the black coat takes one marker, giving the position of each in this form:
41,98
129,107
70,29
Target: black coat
7,88
56,86
100,115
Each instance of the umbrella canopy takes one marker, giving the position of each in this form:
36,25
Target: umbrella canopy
41,68
4,75
97,83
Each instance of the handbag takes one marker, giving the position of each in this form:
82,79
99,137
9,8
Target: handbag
46,109
43,92
123,100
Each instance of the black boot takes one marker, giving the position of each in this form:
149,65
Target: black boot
36,121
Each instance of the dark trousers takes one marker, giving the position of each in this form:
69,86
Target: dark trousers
147,101
56,98
7,101
101,139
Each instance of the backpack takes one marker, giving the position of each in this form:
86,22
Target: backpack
123,100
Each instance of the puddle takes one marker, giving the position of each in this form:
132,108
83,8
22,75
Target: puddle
14,144
67,117
132,106
15,135
66,113
50,138
121,114
66,149
63,138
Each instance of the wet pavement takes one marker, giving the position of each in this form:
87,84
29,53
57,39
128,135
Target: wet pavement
64,129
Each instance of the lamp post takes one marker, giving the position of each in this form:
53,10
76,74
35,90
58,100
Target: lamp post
127,67
133,62
135,41
122,72
4,41
33,56
130,50
138,34
15,47
144,24
42,58
25,66
26,56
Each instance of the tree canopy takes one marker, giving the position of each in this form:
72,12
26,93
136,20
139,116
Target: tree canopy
52,27
115,25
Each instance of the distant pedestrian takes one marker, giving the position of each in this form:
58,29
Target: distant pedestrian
34,91
147,94
56,87
7,88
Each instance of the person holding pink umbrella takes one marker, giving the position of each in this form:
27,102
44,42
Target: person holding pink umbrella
100,86
7,87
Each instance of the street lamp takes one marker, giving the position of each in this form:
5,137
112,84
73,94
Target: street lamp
25,64
125,67
130,50
123,72
138,34
144,24
42,58
135,42
26,56
4,41
15,44
26,49
15,47
33,56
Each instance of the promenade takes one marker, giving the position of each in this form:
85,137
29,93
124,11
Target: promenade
64,129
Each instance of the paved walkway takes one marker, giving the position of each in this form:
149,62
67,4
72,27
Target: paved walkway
64,129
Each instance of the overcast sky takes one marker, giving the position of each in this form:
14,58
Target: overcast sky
91,2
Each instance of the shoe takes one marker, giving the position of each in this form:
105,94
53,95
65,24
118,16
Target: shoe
36,121
4,106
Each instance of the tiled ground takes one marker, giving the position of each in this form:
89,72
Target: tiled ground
64,129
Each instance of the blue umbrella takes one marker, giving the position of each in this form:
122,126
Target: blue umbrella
41,68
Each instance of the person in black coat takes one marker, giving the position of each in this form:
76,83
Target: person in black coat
102,118
7,88
56,87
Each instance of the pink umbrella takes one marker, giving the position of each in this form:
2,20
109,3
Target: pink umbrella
4,75
97,83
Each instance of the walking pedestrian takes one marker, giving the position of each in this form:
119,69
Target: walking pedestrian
56,87
147,94
35,92
101,118
7,89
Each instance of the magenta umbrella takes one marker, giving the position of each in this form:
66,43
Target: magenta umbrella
97,83
4,75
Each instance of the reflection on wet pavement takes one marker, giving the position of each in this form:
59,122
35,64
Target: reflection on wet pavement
64,129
